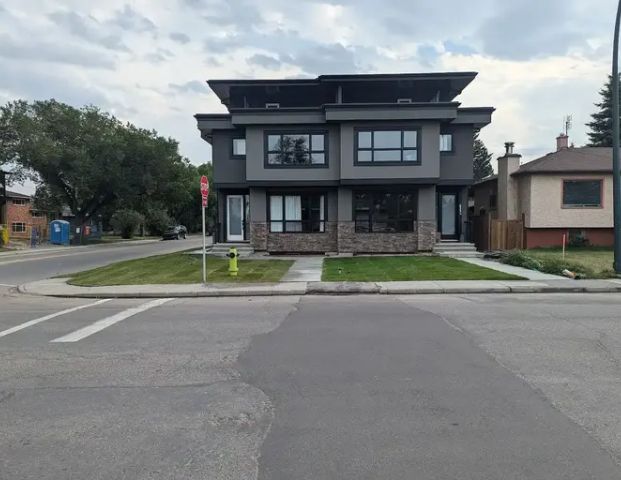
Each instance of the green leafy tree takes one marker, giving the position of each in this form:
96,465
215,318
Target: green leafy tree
126,222
157,220
482,159
9,139
601,124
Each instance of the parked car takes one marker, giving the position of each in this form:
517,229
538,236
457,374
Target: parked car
175,232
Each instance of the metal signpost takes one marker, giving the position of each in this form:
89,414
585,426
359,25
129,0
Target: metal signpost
205,196
616,161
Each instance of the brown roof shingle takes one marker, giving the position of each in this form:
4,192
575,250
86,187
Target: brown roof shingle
571,160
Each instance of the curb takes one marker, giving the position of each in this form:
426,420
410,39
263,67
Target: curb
324,288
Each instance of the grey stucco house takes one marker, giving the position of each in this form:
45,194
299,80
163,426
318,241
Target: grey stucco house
343,163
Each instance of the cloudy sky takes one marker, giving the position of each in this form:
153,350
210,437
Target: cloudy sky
147,60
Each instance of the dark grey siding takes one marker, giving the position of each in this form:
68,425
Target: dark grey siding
227,171
457,165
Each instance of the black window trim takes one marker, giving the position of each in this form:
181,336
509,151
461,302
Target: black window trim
383,191
284,194
452,150
237,137
306,131
373,163
571,206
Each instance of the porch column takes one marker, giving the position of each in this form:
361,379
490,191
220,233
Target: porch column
258,219
427,217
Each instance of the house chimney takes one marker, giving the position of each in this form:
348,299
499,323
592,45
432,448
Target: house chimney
507,197
562,142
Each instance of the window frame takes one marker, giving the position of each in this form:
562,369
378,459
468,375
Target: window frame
452,150
308,131
371,203
19,201
374,163
569,206
283,221
22,230
233,155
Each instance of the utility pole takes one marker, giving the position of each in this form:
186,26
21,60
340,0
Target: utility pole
616,166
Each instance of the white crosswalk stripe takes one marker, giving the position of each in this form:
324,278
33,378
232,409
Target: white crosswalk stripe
108,321
30,323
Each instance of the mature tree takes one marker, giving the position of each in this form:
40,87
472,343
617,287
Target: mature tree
188,213
126,222
482,159
90,162
9,138
601,125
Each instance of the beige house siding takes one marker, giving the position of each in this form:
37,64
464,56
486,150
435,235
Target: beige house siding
524,203
542,203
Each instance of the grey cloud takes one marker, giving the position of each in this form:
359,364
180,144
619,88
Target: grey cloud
130,19
530,29
319,58
160,55
240,14
179,37
88,29
264,61
53,53
193,86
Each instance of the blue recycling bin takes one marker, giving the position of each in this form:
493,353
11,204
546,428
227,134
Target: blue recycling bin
59,232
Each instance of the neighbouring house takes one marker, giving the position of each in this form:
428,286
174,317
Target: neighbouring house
564,193
343,163
20,217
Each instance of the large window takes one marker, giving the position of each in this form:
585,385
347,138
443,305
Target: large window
387,146
582,193
18,227
384,212
446,142
297,213
239,147
19,201
296,149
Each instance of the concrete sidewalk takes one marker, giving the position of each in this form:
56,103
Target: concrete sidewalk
58,287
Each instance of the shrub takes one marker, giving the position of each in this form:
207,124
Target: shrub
157,221
126,222
520,259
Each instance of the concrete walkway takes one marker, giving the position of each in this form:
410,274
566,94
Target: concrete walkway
519,271
58,287
305,269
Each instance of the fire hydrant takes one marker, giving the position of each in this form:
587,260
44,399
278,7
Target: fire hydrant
233,261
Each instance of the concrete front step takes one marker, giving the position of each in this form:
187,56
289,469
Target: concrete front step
461,254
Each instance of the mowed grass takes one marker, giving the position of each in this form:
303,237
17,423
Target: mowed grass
596,259
391,269
180,268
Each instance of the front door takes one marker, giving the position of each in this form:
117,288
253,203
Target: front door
234,218
449,225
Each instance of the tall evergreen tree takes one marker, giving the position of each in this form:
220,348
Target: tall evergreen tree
482,159
601,125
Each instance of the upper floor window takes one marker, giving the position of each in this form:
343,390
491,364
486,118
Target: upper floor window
446,142
296,149
582,193
387,146
239,147
19,201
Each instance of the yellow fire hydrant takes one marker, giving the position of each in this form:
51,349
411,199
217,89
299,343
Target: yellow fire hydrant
233,261
4,235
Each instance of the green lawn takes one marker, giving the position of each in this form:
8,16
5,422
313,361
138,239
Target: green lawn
597,260
387,269
180,268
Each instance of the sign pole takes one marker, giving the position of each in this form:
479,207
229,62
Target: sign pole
204,251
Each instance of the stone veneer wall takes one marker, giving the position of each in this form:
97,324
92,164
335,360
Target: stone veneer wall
304,242
342,238
258,236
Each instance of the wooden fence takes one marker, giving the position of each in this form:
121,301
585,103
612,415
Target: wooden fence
491,234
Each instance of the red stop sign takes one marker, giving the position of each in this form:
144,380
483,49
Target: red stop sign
204,186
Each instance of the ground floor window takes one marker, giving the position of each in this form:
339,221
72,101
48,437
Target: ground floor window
385,211
297,213
18,227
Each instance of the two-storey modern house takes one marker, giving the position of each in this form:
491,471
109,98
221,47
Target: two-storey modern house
343,163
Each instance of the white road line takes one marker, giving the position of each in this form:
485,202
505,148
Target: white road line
30,323
106,322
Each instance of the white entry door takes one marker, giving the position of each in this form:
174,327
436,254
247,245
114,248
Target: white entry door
235,218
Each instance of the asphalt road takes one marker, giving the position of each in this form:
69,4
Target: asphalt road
43,263
424,387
